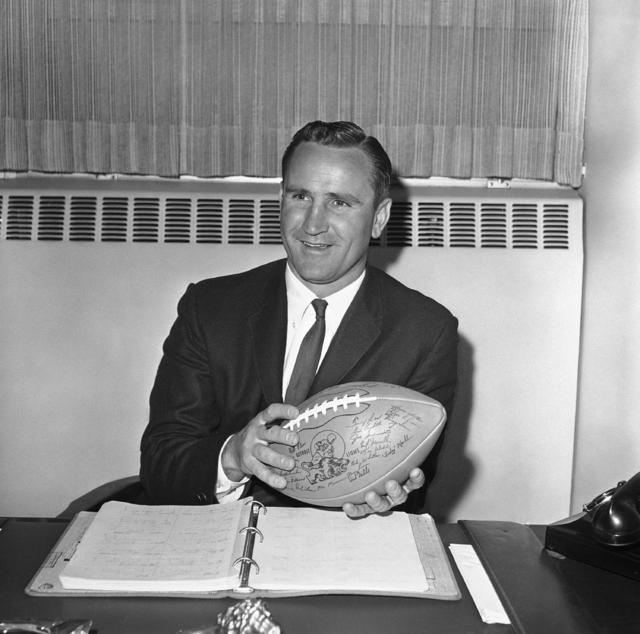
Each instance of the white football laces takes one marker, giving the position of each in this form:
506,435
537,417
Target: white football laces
322,408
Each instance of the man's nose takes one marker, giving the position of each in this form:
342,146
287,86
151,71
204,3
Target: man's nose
316,218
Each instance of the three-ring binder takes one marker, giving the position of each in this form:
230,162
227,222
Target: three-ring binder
246,560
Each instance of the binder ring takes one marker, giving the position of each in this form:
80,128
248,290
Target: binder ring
260,505
253,529
247,560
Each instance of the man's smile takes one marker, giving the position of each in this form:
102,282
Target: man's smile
315,245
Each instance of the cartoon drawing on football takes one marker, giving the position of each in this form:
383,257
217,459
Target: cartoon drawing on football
356,436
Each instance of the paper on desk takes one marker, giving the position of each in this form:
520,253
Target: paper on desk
479,584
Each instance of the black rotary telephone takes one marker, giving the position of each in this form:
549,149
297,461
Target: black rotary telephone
606,534
615,514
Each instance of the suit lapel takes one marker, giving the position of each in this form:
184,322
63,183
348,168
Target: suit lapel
358,331
268,327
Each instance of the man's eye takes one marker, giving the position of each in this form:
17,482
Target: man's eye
299,196
340,203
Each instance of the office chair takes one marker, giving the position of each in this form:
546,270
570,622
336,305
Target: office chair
126,489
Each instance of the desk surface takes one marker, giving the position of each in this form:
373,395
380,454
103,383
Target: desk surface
25,542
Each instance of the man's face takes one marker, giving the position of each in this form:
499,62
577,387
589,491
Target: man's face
328,215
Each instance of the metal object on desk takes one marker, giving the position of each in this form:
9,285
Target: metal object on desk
39,626
250,616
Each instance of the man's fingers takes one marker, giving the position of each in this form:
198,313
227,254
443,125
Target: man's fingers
277,411
356,510
379,503
396,494
268,456
248,453
374,503
416,481
262,472
279,435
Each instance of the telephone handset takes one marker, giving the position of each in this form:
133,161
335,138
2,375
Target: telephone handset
606,534
615,514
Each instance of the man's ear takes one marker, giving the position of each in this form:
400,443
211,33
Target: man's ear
381,217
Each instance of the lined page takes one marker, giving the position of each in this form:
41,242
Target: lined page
323,550
133,548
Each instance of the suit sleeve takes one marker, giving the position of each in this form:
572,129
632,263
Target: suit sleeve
436,373
436,376
182,441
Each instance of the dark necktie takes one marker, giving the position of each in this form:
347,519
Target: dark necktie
308,357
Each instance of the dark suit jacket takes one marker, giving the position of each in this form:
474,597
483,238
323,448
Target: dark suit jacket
223,360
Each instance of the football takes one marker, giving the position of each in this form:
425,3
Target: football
356,436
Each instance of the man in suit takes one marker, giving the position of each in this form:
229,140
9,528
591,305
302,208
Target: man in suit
230,365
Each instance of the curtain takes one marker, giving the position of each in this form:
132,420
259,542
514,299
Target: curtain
457,88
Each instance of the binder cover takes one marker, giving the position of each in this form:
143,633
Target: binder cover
429,548
535,596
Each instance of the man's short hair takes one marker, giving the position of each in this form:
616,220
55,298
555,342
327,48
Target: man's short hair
345,134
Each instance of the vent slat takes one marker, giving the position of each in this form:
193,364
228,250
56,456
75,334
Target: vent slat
146,219
82,218
525,226
242,221
209,220
493,225
431,225
115,218
269,231
555,223
51,221
462,225
399,229
177,220
20,217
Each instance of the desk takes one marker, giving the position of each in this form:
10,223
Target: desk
25,542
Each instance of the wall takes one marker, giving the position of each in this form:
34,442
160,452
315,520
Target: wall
608,433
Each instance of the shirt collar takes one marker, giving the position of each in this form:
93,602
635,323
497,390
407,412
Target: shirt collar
299,296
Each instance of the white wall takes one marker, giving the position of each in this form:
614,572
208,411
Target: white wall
608,429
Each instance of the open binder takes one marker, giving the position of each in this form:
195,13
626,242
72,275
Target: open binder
244,549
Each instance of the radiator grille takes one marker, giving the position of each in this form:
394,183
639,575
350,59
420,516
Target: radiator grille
423,221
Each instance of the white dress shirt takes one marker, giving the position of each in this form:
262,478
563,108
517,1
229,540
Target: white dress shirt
300,317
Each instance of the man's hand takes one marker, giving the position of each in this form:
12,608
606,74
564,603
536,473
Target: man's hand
396,494
248,453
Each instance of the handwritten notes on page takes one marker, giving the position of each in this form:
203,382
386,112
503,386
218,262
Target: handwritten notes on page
132,548
307,549
191,550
